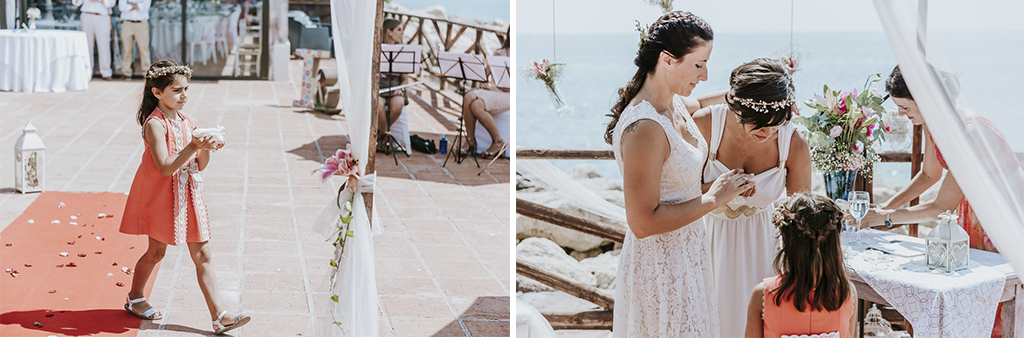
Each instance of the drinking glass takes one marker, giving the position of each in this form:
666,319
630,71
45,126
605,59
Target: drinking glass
859,201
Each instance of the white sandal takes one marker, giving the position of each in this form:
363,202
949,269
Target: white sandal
219,328
151,314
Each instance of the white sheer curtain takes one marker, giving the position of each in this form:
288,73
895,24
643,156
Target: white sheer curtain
353,22
549,177
978,157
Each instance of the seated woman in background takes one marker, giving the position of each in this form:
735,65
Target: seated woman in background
812,294
395,99
481,105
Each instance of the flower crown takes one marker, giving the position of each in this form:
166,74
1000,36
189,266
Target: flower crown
164,71
778,220
762,107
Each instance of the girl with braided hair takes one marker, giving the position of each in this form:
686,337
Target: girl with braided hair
750,132
665,287
812,295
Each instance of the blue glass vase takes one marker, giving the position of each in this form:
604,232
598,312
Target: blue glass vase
838,184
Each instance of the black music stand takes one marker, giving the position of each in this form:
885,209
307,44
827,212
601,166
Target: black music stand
396,59
465,67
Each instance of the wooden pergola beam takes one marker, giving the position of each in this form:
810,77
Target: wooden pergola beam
553,216
559,282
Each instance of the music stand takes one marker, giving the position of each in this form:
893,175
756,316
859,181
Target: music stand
396,59
465,67
500,67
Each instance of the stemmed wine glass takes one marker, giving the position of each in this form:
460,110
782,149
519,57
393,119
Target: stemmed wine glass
859,201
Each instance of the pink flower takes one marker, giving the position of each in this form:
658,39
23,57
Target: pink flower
841,107
836,131
859,122
871,129
342,163
888,129
856,147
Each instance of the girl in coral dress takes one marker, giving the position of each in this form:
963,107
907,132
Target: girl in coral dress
811,297
166,200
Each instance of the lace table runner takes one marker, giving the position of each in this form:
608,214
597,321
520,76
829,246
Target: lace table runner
938,304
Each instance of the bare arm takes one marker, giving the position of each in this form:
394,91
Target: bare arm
798,166
947,199
706,100
755,324
645,148
930,173
166,163
853,316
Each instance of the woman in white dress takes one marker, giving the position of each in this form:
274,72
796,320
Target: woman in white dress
665,287
750,132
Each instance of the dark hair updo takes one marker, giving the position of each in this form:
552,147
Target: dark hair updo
753,89
896,86
811,260
149,101
677,33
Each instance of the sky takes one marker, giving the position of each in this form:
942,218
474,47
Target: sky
743,16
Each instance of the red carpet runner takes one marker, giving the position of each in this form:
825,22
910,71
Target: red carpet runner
79,294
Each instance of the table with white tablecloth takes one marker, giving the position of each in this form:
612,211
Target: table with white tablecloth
43,60
936,303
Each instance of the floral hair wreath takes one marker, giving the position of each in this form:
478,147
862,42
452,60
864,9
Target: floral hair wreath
164,71
778,219
762,107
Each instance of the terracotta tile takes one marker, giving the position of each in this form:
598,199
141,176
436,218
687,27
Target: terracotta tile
490,308
272,282
275,302
435,238
419,213
446,253
276,325
488,328
400,268
416,306
269,221
270,248
430,225
467,287
270,233
391,251
491,226
407,286
458,269
271,264
426,327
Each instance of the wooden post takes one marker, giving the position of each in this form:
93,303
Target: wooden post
557,281
371,162
587,320
546,214
915,167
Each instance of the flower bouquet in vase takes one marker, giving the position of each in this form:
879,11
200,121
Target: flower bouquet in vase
842,133
32,14
338,220
549,73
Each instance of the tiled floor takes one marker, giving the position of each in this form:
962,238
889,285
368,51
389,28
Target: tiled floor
442,262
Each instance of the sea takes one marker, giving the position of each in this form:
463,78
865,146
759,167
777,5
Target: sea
483,10
990,66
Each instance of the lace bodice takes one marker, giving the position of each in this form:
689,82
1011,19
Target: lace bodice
664,286
680,175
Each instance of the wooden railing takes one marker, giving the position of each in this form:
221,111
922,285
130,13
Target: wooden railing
448,32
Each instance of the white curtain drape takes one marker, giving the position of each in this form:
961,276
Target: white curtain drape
978,157
549,177
354,22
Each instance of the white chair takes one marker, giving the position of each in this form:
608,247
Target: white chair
483,138
400,130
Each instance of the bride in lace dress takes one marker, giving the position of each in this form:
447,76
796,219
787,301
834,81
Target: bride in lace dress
665,287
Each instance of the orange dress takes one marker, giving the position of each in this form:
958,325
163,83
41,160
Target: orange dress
784,319
969,221
168,209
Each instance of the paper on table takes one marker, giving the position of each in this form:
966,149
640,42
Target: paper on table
899,248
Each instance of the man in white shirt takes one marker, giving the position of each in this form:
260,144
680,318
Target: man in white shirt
134,26
96,25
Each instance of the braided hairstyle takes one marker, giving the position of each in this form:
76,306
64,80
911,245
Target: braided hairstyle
149,101
765,80
811,260
896,86
677,33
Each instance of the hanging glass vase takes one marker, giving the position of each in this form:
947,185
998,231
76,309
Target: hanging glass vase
558,101
31,23
838,184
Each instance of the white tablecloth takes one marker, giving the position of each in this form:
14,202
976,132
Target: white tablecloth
43,60
956,304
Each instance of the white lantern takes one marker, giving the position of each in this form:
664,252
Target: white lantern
948,247
29,154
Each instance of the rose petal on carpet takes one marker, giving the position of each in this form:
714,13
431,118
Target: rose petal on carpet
82,293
